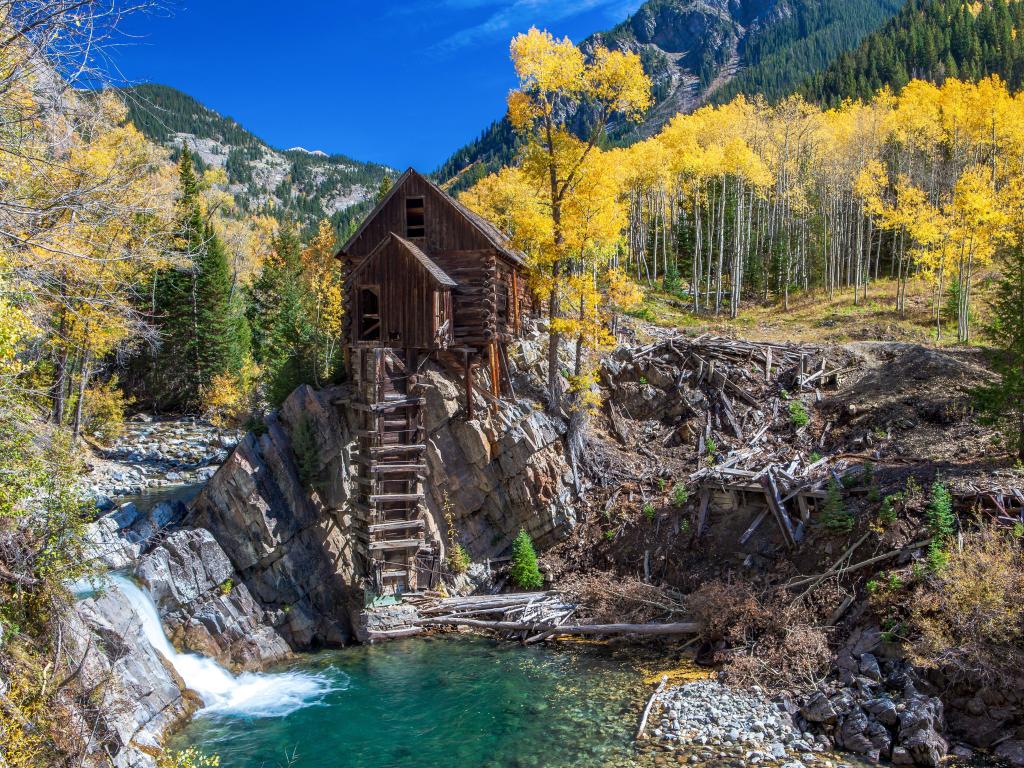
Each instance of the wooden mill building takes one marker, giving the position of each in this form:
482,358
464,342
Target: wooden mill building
424,277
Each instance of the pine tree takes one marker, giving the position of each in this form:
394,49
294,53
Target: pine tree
283,336
525,571
202,327
1002,403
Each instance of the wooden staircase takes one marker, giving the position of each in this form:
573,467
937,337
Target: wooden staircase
390,463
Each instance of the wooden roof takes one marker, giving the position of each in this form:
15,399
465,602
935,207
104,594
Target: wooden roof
490,232
438,274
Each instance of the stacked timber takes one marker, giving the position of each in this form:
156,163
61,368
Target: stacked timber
530,617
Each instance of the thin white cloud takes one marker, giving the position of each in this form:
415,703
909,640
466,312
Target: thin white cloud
517,15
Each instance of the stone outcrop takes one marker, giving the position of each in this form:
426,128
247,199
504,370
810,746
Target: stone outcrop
141,697
500,472
283,540
278,507
118,538
204,605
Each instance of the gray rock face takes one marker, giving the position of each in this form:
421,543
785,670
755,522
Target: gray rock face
142,696
204,606
290,552
118,538
498,473
920,725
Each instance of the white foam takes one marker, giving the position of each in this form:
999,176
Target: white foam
250,694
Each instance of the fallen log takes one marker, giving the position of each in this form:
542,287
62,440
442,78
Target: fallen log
676,628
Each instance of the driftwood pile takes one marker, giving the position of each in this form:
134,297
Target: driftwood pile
722,392
1002,502
531,617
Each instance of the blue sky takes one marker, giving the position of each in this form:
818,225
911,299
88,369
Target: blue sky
399,82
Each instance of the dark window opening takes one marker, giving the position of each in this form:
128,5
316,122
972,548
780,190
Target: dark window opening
369,313
415,220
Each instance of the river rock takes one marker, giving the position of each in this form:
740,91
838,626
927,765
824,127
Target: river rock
919,730
203,603
1012,752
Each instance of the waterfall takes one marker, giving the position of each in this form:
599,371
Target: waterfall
250,694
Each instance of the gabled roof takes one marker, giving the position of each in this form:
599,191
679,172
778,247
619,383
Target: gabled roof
439,275
493,235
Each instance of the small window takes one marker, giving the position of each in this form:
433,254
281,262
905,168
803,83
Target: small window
369,313
415,221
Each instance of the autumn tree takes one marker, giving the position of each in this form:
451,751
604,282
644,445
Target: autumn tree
554,74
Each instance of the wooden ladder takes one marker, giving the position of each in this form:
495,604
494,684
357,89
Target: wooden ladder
390,464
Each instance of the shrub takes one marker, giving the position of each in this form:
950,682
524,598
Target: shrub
103,410
188,758
680,495
941,525
834,516
649,512
887,512
307,452
712,448
458,559
643,313
230,400
525,571
969,620
798,414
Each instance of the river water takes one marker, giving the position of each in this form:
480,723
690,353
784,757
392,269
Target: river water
442,702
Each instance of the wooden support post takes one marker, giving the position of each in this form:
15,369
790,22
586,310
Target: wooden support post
469,385
515,300
702,517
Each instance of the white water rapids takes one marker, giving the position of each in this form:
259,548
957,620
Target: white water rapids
250,694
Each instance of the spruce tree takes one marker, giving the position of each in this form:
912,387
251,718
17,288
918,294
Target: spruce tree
1002,403
282,331
525,571
202,327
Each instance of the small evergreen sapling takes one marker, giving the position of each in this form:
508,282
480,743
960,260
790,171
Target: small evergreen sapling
525,571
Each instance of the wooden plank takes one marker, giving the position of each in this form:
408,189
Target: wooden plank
381,498
380,546
396,525
702,517
754,525
771,492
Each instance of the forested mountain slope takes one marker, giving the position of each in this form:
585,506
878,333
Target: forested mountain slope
696,51
932,40
305,185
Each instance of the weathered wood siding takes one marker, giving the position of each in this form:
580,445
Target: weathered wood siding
409,315
446,229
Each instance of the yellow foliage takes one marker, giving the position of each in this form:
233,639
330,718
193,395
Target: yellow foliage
229,399
103,410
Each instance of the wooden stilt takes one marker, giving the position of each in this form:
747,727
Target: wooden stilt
469,385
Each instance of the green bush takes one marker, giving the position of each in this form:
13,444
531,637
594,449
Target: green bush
649,512
525,571
941,525
798,414
458,559
887,512
834,516
643,313
680,495
307,453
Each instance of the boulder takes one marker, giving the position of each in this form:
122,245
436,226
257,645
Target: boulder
1012,752
920,725
141,697
204,604
818,709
